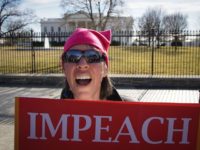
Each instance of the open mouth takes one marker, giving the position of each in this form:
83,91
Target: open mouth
83,80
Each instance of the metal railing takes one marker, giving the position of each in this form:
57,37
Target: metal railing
131,53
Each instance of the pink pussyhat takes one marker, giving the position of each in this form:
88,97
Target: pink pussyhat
101,40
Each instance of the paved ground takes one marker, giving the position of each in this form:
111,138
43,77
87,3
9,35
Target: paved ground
7,95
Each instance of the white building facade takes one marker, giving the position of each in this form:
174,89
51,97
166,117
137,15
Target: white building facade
70,22
73,21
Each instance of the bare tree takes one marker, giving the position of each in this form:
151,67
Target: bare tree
175,23
150,23
12,18
98,11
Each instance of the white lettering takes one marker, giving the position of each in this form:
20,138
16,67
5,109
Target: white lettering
32,134
99,128
131,133
145,130
46,120
184,131
77,128
100,132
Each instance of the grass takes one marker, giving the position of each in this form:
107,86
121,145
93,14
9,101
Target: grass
123,60
16,60
166,61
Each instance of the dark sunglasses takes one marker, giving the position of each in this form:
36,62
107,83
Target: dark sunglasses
91,56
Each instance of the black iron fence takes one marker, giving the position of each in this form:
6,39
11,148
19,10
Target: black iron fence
131,53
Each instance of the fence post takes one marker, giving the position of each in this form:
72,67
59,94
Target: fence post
152,54
32,54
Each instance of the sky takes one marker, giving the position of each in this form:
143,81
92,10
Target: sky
134,8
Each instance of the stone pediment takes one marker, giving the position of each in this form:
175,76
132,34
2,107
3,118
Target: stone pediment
78,15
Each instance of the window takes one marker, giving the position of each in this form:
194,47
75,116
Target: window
59,29
52,29
45,29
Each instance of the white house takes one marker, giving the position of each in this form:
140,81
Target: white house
79,19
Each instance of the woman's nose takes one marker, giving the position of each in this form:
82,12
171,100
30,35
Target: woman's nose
82,64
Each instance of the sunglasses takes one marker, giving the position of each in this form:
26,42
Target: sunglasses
91,56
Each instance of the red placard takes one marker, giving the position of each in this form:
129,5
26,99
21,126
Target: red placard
76,124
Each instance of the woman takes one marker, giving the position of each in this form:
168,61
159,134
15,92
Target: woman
85,64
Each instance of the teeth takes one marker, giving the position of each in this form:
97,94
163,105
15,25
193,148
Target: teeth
83,77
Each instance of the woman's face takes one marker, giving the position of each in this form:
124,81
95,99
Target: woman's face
84,78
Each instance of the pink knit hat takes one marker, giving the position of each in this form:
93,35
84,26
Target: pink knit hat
100,40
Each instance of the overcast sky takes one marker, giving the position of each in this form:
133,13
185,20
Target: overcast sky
134,8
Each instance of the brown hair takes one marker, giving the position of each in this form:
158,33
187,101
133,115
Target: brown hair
106,88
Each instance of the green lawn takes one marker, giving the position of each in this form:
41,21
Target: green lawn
166,61
123,60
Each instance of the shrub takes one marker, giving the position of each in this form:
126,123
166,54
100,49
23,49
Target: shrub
38,44
56,43
163,44
142,44
115,43
176,43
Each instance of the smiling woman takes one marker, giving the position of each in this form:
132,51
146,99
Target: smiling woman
85,65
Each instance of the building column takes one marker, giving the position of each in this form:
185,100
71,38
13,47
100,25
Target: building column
86,24
76,24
